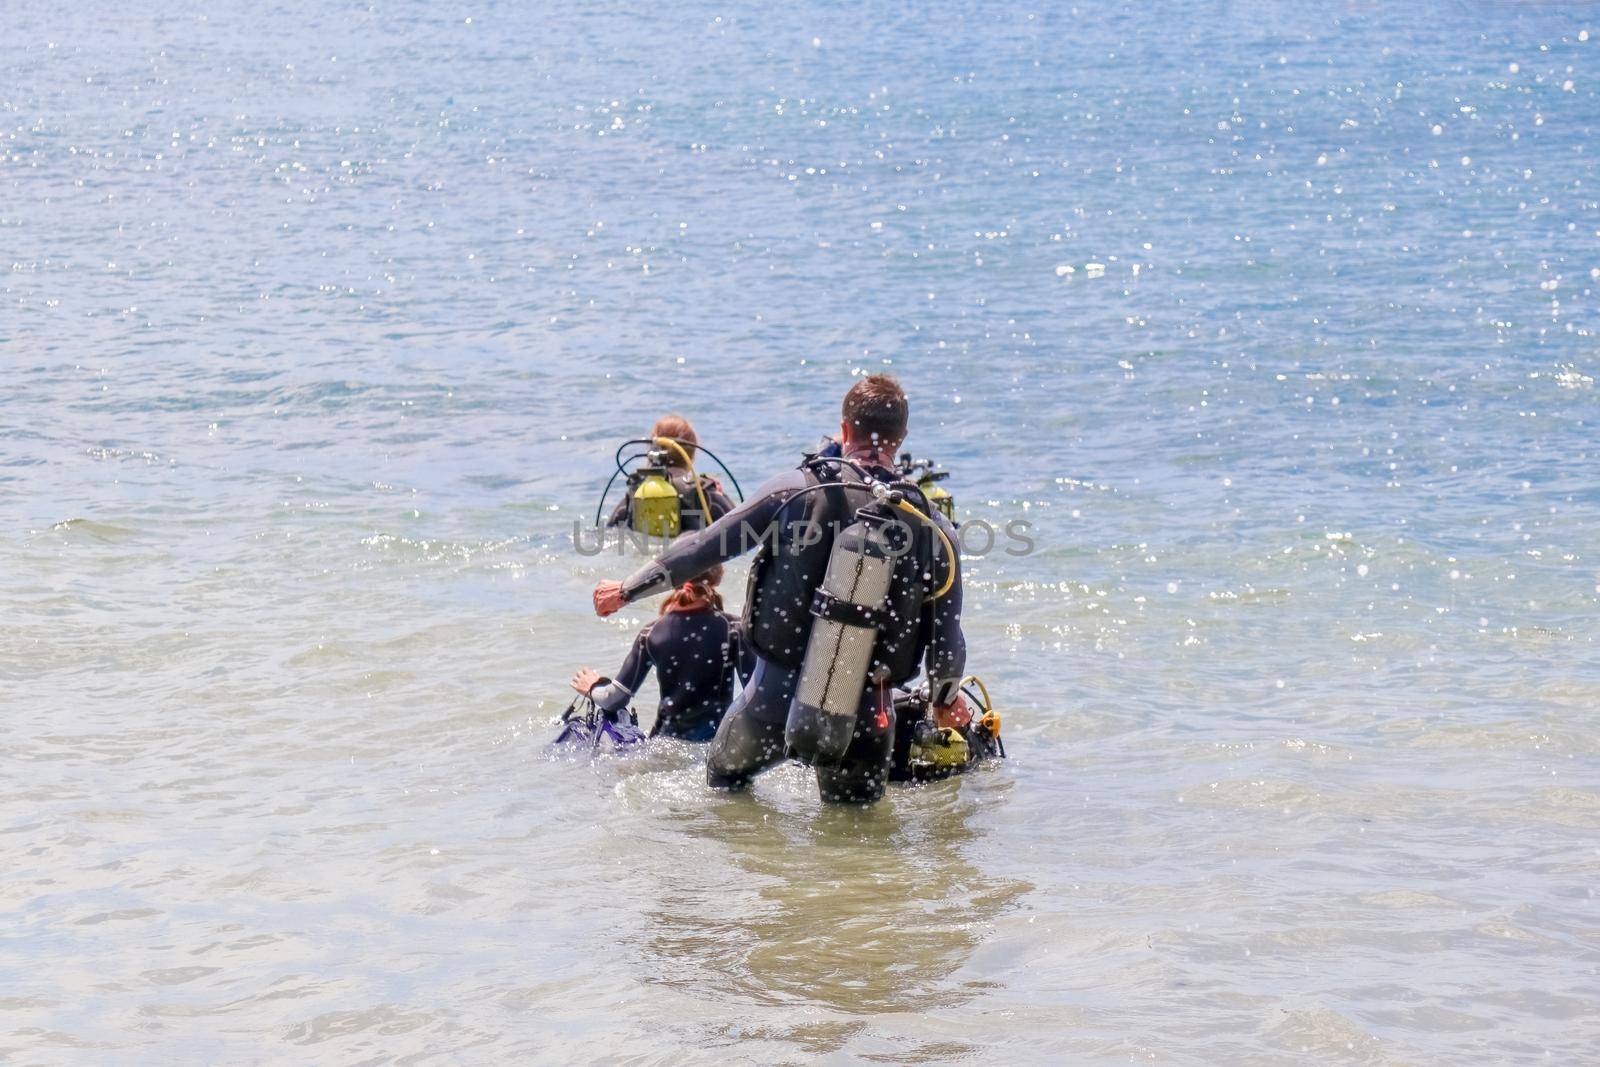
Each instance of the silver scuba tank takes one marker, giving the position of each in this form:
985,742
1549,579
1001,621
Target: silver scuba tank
849,608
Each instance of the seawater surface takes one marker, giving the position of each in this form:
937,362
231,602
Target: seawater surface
319,323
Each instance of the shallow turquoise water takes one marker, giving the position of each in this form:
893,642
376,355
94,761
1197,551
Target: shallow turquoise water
320,323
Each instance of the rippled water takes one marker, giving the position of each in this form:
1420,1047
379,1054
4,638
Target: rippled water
320,322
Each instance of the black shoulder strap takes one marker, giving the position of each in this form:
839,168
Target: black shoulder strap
817,470
831,470
730,640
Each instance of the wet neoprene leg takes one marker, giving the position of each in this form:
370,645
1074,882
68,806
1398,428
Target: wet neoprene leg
863,774
750,738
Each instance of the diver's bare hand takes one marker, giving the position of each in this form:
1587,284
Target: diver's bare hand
956,713
608,598
585,680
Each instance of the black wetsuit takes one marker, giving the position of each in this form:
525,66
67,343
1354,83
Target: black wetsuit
689,501
695,654
750,738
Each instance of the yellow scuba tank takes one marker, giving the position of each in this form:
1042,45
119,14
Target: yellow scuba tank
653,508
935,749
927,477
939,498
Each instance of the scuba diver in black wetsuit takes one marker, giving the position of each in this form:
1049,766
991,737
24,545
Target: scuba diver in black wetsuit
830,513
696,648
674,477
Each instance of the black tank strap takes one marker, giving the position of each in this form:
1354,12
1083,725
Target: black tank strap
826,606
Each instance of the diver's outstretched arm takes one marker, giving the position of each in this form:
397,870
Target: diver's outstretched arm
615,694
693,554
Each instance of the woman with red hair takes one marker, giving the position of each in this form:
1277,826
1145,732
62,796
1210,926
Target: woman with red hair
696,649
679,429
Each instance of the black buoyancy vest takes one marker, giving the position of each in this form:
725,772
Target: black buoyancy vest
793,559
689,509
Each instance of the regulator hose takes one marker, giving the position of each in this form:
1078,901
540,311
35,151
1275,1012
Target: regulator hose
987,704
621,469
676,443
699,491
991,718
950,549
683,441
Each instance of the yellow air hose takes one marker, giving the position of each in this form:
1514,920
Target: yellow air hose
705,508
991,718
950,550
988,702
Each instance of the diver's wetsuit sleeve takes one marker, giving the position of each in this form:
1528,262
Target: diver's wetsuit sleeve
946,660
734,534
615,694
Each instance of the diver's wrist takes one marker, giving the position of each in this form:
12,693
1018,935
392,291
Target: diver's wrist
646,581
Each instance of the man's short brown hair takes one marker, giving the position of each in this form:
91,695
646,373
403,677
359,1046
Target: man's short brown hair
876,409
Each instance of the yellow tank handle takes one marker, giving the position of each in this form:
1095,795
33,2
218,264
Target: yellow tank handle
950,578
705,508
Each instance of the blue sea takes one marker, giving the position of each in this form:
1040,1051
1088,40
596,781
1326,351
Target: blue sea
1276,323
